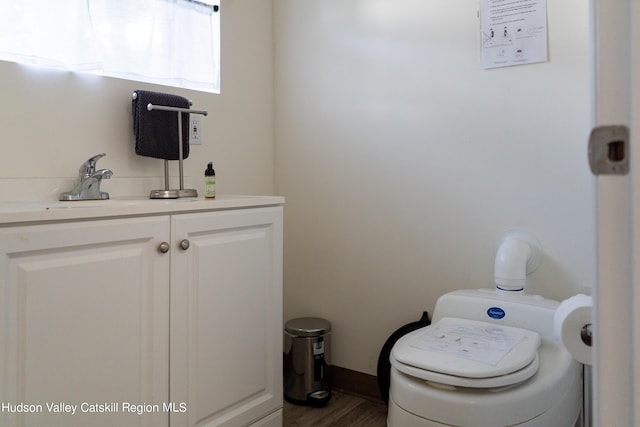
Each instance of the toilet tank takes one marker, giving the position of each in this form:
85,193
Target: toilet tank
519,310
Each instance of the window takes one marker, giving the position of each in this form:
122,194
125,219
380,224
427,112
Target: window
170,42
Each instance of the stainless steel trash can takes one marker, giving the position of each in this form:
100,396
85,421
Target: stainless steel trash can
307,342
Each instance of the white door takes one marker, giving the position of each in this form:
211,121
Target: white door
226,317
84,324
616,71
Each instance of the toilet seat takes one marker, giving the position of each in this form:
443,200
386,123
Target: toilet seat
468,353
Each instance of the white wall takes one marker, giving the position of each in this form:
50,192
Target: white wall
50,122
402,161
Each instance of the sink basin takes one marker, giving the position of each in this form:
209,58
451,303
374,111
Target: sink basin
31,211
72,206
45,205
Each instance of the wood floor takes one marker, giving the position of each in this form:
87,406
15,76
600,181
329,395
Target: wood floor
343,410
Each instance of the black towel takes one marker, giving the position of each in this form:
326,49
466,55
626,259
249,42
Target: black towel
156,131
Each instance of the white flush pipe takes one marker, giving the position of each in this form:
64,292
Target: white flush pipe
518,255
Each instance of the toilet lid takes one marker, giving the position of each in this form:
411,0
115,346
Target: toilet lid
468,353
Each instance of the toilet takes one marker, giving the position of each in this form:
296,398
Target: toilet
488,359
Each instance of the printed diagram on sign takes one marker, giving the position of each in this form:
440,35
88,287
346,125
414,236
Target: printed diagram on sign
495,36
508,43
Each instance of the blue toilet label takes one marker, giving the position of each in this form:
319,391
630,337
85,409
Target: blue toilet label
495,313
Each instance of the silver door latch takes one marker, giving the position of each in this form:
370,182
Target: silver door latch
609,150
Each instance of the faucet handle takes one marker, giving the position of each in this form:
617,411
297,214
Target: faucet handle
89,166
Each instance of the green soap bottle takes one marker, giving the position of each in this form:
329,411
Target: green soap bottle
210,182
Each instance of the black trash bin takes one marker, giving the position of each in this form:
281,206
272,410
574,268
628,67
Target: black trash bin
307,342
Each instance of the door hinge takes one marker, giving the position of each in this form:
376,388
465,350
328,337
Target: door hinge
609,150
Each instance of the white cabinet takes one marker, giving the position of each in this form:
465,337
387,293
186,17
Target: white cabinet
94,316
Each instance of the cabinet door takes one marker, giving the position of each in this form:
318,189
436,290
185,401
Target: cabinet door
84,324
226,317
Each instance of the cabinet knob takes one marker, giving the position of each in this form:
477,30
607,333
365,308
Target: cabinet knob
184,244
164,247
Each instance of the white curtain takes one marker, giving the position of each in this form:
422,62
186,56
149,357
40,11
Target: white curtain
171,42
52,34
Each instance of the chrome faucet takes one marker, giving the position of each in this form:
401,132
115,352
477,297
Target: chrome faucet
87,185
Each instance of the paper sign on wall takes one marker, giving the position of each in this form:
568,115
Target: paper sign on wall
513,32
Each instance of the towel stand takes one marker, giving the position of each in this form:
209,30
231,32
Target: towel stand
166,193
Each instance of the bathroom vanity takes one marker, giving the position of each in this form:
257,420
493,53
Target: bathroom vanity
141,312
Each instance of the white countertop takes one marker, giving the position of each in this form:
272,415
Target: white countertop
29,211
